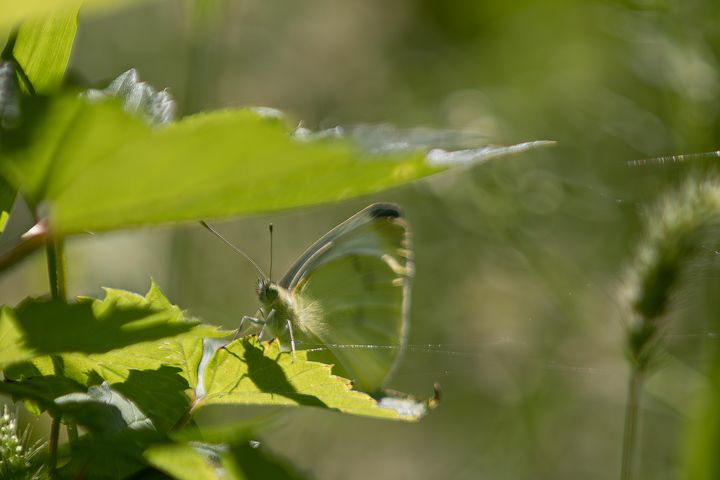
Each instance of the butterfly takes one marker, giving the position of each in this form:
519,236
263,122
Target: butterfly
349,293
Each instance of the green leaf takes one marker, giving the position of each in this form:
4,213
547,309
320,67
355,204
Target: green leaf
12,348
182,461
160,394
113,457
59,139
95,326
242,460
155,372
42,49
103,410
98,168
180,354
702,435
14,12
42,390
250,373
148,398
254,463
7,198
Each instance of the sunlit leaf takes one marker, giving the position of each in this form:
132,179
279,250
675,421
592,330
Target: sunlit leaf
14,12
156,374
249,373
94,167
7,198
42,49
112,171
12,348
183,462
241,460
154,361
59,140
95,326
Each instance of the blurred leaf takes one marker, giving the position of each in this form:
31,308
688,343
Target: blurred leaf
115,457
98,168
42,390
7,198
703,435
42,49
60,139
242,460
15,12
225,433
384,137
247,372
12,349
96,326
183,462
255,463
103,410
446,147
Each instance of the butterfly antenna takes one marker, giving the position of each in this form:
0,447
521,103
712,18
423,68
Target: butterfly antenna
270,227
227,242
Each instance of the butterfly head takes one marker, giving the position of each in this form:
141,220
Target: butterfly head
267,291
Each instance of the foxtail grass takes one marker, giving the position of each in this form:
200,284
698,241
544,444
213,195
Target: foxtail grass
673,230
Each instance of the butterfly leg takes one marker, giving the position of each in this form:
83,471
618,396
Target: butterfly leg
246,318
265,322
292,339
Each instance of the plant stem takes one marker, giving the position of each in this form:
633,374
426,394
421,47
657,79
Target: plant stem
185,418
72,432
53,446
55,251
631,420
21,251
56,269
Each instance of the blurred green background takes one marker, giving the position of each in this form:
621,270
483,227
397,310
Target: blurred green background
515,309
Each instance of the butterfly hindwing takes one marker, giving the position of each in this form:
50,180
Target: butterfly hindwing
352,288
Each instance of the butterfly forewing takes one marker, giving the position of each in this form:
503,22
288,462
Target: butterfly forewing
352,289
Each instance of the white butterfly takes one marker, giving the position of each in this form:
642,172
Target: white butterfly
351,288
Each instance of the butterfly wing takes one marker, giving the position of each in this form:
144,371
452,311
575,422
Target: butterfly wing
352,287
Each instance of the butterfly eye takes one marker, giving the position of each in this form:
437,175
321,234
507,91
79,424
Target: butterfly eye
271,293
267,292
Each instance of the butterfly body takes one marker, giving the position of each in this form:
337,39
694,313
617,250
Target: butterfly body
280,312
349,293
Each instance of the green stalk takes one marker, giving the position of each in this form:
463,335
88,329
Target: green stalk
631,421
72,432
53,446
21,251
55,251
56,269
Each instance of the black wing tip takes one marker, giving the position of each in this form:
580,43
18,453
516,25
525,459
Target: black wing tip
385,210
